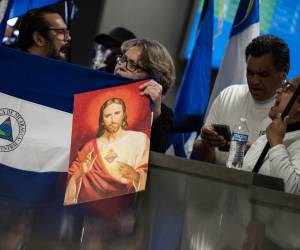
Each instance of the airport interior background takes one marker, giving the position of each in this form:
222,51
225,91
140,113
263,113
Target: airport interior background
187,204
174,24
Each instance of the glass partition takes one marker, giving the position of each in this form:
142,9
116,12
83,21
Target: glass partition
187,205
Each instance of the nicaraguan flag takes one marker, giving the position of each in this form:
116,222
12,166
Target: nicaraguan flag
233,67
193,94
36,106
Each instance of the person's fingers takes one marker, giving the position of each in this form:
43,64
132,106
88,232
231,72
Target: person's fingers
147,84
278,116
212,137
208,131
285,120
89,156
123,164
214,143
126,172
94,159
143,86
126,175
151,88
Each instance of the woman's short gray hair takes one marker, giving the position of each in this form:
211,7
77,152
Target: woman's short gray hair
156,59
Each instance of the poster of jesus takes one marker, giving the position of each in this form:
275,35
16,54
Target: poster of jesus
110,144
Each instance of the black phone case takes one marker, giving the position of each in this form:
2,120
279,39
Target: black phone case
224,130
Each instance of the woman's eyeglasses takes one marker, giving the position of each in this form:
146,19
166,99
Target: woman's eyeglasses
130,65
288,87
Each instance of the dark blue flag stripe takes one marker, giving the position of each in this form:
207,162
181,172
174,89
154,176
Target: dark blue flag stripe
26,187
49,82
192,96
246,15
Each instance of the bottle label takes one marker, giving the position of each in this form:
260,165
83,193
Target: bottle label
240,137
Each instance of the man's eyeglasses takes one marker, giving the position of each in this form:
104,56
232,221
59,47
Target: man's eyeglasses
288,87
130,65
63,34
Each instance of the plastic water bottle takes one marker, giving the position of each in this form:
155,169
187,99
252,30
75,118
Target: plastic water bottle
238,144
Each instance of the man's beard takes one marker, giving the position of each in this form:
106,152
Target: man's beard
55,53
112,128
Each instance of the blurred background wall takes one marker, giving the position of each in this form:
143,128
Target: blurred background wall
166,21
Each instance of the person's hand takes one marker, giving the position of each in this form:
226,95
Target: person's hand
129,172
87,163
276,130
211,138
248,145
154,90
71,190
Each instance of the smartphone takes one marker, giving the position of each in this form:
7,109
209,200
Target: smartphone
224,130
291,102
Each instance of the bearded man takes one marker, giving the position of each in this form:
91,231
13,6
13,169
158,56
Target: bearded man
43,32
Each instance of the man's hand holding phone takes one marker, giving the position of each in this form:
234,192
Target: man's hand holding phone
224,131
217,135
210,137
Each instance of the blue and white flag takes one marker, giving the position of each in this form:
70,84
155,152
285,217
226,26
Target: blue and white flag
193,94
36,106
233,67
5,7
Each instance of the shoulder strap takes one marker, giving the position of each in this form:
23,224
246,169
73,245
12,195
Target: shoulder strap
261,158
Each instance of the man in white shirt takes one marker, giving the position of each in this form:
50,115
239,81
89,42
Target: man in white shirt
268,63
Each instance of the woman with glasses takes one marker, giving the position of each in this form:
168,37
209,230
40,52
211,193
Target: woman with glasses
283,135
145,58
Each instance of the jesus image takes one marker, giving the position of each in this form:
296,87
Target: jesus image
113,163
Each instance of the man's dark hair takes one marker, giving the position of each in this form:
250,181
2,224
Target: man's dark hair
265,44
33,21
120,101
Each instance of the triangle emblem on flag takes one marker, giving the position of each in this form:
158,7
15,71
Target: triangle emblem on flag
6,130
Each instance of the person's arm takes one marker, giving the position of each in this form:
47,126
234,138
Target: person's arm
202,152
161,130
153,89
73,188
137,174
80,167
204,146
128,172
283,164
